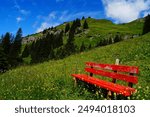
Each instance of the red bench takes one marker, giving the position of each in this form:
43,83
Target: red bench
116,72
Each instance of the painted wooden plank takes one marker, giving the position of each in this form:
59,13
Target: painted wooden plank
127,78
121,68
126,91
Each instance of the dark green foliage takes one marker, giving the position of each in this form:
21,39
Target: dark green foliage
35,48
15,50
117,38
26,51
70,47
43,48
85,25
60,53
1,38
110,40
6,43
78,23
82,48
146,27
44,31
10,50
100,43
90,46
83,18
67,28
58,39
3,61
73,27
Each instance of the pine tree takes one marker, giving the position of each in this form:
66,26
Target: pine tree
18,40
15,50
70,47
58,39
26,51
6,43
73,27
83,18
117,38
35,49
78,23
67,28
85,25
146,27
3,61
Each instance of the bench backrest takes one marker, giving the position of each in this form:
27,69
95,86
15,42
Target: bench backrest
119,72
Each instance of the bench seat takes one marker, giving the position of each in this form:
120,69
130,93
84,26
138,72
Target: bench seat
119,89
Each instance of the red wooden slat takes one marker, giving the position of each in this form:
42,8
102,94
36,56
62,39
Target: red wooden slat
126,91
127,78
121,68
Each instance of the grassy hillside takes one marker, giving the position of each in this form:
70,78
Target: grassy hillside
100,29
52,80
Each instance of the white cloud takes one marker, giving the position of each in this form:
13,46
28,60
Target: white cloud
45,25
125,10
19,19
47,21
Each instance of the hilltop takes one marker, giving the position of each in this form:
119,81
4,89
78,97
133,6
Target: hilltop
98,28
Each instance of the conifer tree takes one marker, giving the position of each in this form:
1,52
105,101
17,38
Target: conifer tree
117,38
14,55
35,49
26,51
3,61
70,47
85,25
83,18
6,43
146,27
67,27
78,23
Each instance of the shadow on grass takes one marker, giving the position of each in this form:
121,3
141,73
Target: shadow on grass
100,93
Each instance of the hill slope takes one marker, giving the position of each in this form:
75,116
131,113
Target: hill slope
98,29
52,80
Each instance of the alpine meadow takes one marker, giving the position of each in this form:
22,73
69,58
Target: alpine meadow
41,66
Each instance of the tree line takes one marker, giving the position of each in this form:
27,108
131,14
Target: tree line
51,46
10,50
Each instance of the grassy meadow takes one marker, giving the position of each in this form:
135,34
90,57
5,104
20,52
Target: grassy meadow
52,80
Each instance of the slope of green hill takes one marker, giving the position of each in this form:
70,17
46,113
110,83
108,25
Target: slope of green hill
52,80
100,29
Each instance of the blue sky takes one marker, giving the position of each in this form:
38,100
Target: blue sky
35,15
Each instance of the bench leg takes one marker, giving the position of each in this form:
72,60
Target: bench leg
110,95
75,81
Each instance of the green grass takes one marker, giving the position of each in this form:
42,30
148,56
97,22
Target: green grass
52,80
